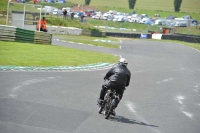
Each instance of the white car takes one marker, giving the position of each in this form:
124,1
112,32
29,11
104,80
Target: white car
142,21
180,24
136,19
110,18
57,12
121,19
98,16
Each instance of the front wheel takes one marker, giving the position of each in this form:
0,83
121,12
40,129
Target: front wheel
107,114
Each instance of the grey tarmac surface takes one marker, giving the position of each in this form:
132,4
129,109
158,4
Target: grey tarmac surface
163,96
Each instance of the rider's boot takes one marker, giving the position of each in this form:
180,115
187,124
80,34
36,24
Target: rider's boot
99,101
113,112
114,107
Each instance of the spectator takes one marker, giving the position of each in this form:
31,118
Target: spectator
72,15
37,24
43,26
82,17
10,1
34,1
198,26
64,14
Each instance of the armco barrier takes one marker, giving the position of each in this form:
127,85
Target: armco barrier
42,38
7,33
185,38
12,33
64,30
129,35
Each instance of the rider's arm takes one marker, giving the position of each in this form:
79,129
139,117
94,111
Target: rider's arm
128,80
109,73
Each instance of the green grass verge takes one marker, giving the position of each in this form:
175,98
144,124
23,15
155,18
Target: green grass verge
59,21
26,54
192,45
90,40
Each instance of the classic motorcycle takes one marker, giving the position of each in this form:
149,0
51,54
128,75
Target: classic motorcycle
109,103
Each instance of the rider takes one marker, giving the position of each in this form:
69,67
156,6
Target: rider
118,78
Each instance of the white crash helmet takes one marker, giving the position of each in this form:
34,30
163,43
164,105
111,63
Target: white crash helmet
123,61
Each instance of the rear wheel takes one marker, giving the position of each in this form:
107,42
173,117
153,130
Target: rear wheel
107,108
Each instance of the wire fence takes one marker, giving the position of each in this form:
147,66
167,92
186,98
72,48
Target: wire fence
23,15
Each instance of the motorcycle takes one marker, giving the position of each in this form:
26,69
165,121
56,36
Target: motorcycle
109,103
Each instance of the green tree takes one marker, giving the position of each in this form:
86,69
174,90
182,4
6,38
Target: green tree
87,2
131,4
177,5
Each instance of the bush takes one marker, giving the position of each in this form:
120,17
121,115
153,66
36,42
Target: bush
87,2
177,5
72,23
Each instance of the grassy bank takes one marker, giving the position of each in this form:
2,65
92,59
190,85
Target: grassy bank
25,54
95,41
190,6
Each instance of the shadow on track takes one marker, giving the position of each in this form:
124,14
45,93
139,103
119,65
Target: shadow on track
129,121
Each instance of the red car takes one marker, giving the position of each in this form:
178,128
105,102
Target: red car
89,13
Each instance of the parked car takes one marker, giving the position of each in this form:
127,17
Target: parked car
186,17
57,12
79,14
149,22
136,19
144,20
97,16
121,19
180,24
194,22
160,22
171,17
110,17
89,13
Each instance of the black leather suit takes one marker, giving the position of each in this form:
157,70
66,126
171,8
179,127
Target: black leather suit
118,78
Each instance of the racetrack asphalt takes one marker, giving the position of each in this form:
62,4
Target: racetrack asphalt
163,96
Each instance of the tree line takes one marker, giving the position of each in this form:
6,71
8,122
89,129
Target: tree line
177,4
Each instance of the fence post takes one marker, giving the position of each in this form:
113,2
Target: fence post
7,13
24,16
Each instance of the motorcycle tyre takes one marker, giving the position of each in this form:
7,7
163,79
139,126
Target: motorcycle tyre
108,112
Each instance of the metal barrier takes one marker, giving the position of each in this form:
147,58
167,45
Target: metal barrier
64,30
185,38
129,35
12,33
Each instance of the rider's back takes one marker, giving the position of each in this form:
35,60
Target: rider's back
120,75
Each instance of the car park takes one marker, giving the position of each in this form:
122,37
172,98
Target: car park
113,15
